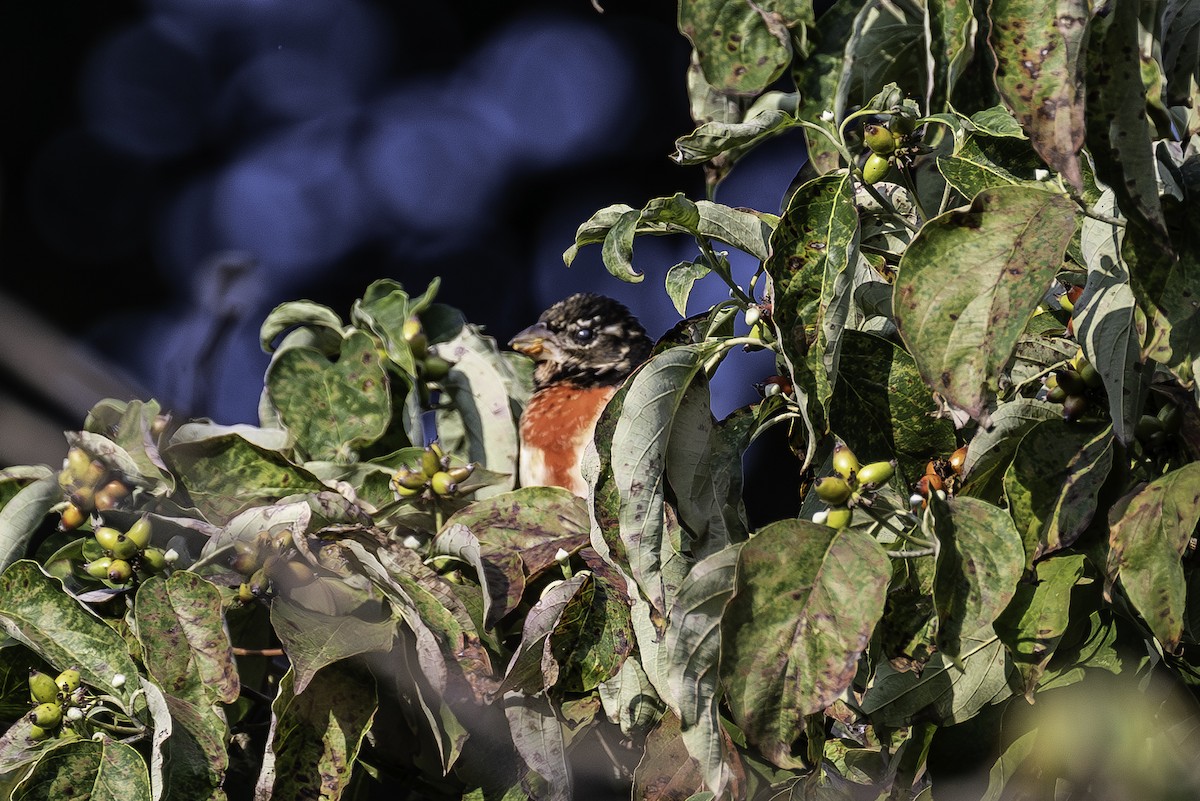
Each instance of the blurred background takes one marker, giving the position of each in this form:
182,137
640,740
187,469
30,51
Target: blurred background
171,170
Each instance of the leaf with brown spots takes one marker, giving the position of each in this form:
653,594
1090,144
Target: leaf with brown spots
979,563
1145,548
970,281
1118,134
813,254
742,47
805,603
185,646
87,770
1037,46
331,408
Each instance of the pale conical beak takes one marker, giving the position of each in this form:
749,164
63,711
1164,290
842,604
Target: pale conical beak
532,341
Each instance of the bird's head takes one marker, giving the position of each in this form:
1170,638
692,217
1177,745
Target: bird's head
585,340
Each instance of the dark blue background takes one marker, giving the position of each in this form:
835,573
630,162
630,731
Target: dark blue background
174,169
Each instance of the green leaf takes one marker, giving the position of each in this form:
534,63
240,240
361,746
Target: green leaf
818,76
383,310
1036,619
970,281
742,48
694,648
887,46
332,408
680,279
1118,135
315,736
1039,72
227,473
36,610
185,646
1145,545
1053,484
87,770
313,640
1107,323
806,601
196,751
298,313
1166,287
518,536
991,450
813,254
616,227
983,162
979,562
21,517
593,635
953,30
942,692
533,667
884,408
640,444
630,700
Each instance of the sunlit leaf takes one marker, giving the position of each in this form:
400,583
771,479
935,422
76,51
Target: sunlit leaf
87,770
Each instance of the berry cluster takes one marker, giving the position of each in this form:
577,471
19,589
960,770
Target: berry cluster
90,486
430,366
268,562
127,555
845,490
433,478
1076,386
54,700
888,144
941,476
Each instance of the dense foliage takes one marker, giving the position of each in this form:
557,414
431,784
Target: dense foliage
982,296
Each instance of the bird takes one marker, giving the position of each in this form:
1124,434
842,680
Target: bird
583,347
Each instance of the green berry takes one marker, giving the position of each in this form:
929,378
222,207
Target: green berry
879,139
98,568
47,715
119,571
37,733
436,368
431,461
154,560
442,483
68,681
845,463
124,548
833,489
139,532
42,688
414,335
875,168
839,517
876,473
106,537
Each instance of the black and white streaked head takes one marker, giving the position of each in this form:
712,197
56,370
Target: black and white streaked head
586,340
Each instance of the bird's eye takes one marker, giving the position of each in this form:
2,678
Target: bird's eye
583,334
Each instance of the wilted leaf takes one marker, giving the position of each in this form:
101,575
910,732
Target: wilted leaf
969,283
630,700
714,138
185,646
806,601
1145,546
315,736
298,313
331,408
1039,72
538,738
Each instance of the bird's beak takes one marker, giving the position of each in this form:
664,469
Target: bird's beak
531,341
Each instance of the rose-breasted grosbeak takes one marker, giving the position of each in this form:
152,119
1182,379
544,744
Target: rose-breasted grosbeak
584,347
